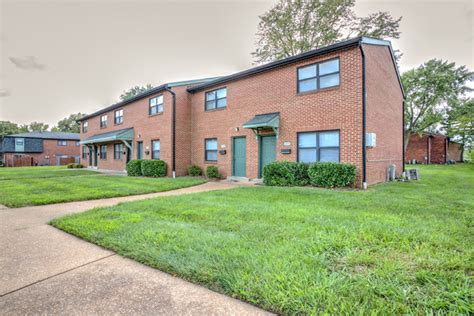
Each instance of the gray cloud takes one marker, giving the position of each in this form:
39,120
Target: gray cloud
27,63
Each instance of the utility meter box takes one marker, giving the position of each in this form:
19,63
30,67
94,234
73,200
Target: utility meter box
370,140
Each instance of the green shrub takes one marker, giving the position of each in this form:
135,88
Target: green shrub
212,172
194,171
78,166
286,173
331,174
70,165
134,168
153,168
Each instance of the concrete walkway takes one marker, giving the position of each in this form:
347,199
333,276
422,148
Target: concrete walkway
46,271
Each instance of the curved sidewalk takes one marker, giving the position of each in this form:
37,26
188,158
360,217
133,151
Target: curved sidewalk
46,271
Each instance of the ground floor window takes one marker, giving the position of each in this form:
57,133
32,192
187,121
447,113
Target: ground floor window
155,149
103,152
211,149
84,152
118,151
318,146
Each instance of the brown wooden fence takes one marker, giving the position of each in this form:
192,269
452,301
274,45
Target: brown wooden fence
65,161
22,161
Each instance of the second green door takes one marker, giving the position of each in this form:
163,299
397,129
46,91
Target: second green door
267,152
239,156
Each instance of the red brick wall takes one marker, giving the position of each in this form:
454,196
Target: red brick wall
51,150
275,91
384,111
146,129
434,151
417,149
439,147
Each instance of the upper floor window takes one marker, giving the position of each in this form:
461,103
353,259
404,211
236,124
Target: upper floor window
103,121
211,149
78,144
85,126
62,143
318,146
118,151
103,152
318,76
216,99
155,149
19,144
156,105
118,117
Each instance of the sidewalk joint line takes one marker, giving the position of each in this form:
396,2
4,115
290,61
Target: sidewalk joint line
57,274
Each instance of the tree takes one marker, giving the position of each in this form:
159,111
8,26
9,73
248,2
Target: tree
134,91
430,90
8,128
295,26
38,127
69,124
459,123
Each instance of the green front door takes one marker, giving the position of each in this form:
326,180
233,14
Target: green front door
267,152
139,150
239,154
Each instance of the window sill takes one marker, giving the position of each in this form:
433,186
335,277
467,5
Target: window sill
156,114
217,109
210,162
102,127
118,123
317,91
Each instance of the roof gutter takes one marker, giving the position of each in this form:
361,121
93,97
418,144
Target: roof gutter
364,120
173,131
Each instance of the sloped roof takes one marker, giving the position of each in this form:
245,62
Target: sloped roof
121,134
48,135
292,59
263,120
146,94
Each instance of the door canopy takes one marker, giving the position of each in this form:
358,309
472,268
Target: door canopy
264,121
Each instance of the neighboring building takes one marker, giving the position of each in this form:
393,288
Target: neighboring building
39,149
316,106
427,148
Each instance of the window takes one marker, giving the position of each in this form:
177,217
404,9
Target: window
19,144
84,152
85,125
216,99
318,76
118,151
155,149
103,152
78,144
118,116
156,105
318,146
62,143
103,121
211,149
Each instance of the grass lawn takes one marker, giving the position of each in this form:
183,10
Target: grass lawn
41,172
397,248
52,185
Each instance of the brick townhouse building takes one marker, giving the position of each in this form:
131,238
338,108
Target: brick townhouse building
343,103
428,148
39,149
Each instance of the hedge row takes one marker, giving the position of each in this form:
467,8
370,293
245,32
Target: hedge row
320,174
74,166
146,168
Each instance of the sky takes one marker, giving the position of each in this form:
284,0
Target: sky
67,56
